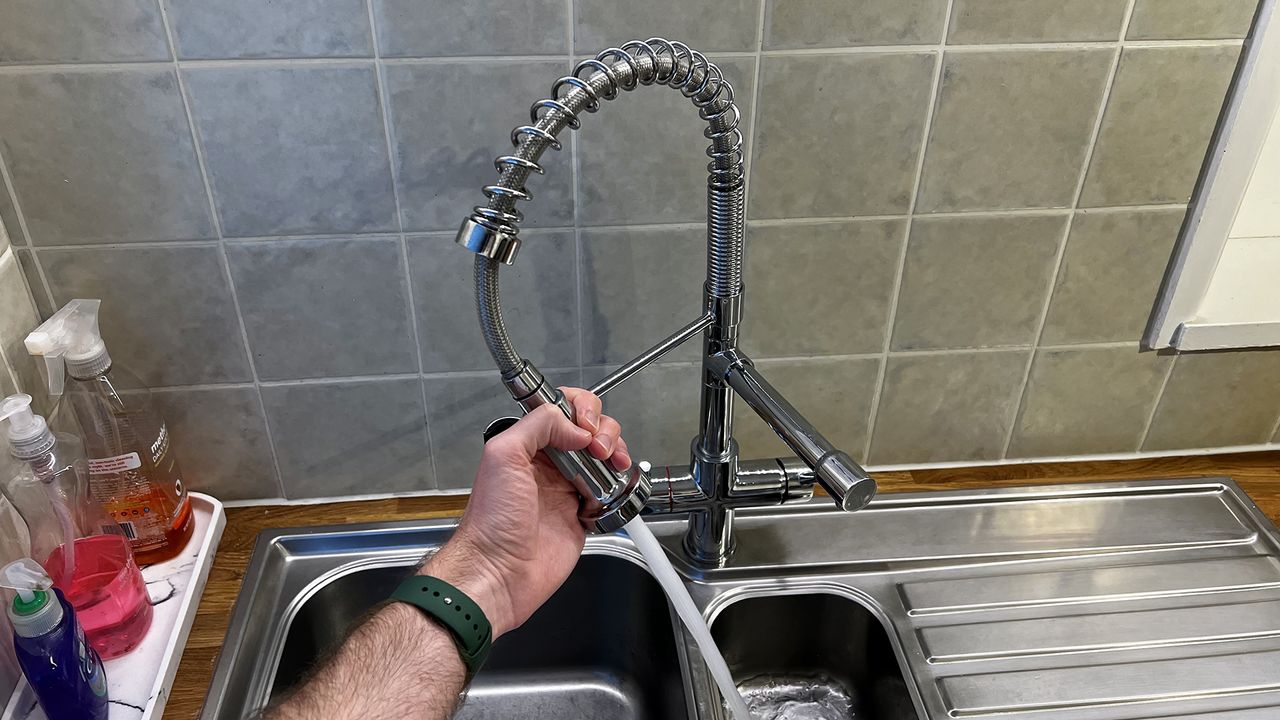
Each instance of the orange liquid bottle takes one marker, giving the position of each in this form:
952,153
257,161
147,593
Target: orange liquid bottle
132,470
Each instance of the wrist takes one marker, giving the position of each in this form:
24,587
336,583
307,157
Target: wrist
463,566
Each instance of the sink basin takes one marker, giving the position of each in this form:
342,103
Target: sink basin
819,655
1116,601
563,663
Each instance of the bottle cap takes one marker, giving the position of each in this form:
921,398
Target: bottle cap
29,435
35,611
71,338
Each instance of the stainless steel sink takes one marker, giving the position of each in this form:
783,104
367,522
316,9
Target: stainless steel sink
557,665
1123,601
814,655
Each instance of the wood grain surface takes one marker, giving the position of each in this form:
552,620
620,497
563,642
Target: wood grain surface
1258,473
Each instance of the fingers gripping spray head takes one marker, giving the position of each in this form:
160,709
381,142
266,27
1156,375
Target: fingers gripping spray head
71,339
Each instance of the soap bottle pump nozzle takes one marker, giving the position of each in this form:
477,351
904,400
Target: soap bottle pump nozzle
29,435
70,339
27,578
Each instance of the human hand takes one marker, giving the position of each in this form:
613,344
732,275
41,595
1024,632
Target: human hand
520,535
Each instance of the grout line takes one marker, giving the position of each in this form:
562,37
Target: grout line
575,184
388,133
23,68
748,158
1061,253
31,245
141,245
930,111
198,149
203,386
1151,417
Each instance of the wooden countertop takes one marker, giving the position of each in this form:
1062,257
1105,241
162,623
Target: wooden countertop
1258,473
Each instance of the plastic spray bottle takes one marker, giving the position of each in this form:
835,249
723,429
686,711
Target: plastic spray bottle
65,672
87,558
133,472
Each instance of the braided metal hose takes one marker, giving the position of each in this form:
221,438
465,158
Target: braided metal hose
650,62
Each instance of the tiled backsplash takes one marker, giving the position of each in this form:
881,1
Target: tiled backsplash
959,214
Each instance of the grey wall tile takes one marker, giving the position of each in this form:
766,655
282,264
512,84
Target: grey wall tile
69,31
820,289
102,156
278,29
460,408
17,318
976,281
425,28
350,438
220,440
705,25
451,120
1190,19
8,384
643,156
658,411
1216,400
1013,21
1110,274
1093,400
1159,118
1012,128
834,23
539,302
5,243
835,394
167,313
29,270
324,308
947,407
294,150
853,148
638,286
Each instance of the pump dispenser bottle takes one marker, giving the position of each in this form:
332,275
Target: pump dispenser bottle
132,470
62,668
85,555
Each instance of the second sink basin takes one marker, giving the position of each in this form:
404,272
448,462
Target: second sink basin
814,655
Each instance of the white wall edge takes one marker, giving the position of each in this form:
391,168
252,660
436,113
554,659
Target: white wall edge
1254,97
1224,336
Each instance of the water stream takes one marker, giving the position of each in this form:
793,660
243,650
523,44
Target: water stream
666,575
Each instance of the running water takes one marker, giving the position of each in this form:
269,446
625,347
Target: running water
661,568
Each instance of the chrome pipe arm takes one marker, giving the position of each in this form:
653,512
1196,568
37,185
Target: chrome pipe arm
773,481
843,479
653,354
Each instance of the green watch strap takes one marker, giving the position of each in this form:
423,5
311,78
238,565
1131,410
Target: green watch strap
452,608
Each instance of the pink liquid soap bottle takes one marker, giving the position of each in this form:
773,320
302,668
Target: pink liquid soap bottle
85,552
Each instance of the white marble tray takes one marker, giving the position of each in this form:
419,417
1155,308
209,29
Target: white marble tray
138,684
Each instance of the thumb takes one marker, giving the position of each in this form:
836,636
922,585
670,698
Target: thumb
547,426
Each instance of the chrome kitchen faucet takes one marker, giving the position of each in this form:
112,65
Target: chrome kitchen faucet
715,482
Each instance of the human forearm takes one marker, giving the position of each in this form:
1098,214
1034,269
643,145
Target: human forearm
397,664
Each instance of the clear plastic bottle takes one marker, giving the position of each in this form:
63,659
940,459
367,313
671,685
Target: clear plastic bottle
84,551
133,472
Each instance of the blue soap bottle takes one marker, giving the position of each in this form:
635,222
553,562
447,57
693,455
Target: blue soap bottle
62,668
